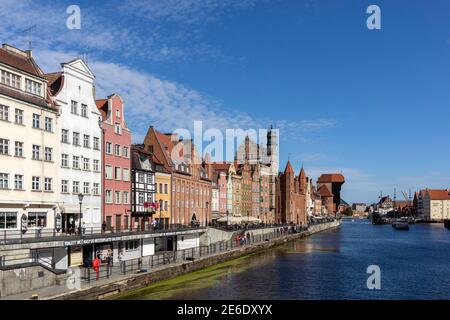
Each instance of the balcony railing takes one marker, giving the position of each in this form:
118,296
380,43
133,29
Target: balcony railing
8,236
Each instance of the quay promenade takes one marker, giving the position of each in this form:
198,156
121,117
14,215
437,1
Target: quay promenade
138,273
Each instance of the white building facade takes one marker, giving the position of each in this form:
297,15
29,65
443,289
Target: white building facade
436,205
80,138
29,147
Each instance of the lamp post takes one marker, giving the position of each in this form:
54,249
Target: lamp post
160,210
80,199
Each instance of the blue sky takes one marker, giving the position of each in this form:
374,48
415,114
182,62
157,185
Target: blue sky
370,103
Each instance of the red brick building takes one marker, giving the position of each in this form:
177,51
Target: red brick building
116,150
333,182
191,184
291,201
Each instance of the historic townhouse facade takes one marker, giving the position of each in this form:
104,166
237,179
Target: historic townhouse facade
116,145
292,199
143,188
29,146
256,191
236,181
164,191
191,185
80,136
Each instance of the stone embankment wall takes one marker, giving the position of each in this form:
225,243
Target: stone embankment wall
142,280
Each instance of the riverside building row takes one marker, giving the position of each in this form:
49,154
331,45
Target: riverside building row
68,168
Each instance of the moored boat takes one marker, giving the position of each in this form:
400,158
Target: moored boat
401,224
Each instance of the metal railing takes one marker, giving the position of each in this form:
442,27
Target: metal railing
8,236
171,257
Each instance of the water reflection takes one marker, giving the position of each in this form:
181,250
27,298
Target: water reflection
329,265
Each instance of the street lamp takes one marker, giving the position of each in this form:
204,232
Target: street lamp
160,210
80,199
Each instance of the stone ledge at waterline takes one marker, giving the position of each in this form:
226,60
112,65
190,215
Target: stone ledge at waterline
142,280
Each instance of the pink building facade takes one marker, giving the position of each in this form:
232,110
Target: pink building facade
116,147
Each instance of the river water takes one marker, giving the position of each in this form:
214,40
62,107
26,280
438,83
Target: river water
333,264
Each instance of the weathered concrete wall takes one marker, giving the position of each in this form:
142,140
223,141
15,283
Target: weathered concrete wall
213,235
142,280
26,279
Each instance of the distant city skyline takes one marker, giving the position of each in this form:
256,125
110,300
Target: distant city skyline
372,104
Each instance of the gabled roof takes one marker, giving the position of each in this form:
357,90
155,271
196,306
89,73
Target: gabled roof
55,82
102,106
439,194
324,191
288,168
331,177
21,60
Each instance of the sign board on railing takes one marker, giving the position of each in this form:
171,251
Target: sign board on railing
24,223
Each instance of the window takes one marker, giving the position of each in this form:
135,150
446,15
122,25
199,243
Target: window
74,107
36,183
64,160
48,154
86,139
125,152
36,121
19,116
8,220
33,87
118,113
108,172
117,150
36,152
84,110
18,150
125,198
18,182
10,79
96,189
65,136
4,146
76,162
86,188
165,188
141,177
96,143
117,128
108,195
48,124
76,139
48,184
76,187
64,186
37,219
4,113
160,188
96,165
165,205
86,164
4,180
117,197
117,173
126,174
108,147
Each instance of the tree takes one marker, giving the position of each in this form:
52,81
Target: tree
348,212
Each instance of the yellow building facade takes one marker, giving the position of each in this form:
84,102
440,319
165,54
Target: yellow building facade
163,188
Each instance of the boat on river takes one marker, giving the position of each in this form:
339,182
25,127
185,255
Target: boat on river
401,224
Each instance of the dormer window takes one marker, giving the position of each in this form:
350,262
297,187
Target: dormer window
10,79
33,87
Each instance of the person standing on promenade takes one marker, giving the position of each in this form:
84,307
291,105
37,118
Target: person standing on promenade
122,262
96,266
